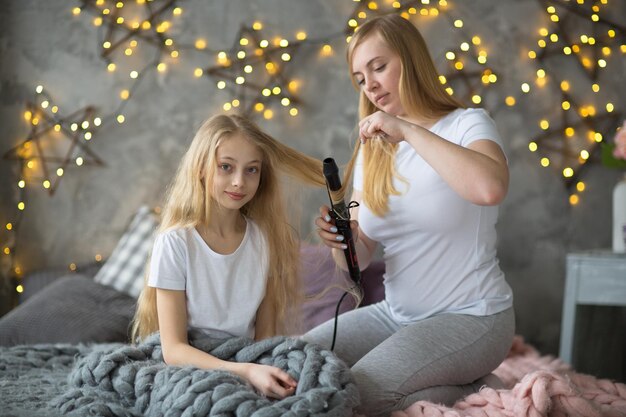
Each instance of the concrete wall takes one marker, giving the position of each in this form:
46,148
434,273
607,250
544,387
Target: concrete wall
41,42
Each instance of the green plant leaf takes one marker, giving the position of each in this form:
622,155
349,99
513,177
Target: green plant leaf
608,160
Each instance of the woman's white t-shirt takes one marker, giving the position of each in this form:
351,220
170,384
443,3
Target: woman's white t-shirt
439,249
223,291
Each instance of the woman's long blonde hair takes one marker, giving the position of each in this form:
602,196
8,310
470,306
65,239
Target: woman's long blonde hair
188,203
421,95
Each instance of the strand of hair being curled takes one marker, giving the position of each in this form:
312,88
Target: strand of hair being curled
188,203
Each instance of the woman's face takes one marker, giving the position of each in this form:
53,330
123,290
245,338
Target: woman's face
376,70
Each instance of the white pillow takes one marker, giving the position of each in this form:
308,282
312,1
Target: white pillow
124,270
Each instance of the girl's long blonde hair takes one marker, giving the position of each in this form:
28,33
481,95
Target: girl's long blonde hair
421,95
188,203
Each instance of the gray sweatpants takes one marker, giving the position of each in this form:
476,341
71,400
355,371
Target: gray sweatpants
438,359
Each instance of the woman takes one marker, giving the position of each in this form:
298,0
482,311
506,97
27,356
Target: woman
428,175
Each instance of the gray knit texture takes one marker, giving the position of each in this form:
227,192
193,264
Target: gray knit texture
134,381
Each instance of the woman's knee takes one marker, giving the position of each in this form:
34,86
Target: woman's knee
376,399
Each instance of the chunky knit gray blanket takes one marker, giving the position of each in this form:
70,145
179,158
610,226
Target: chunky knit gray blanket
125,380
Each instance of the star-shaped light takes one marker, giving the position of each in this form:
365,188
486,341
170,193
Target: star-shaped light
133,38
127,23
582,32
54,142
578,33
575,139
254,70
467,74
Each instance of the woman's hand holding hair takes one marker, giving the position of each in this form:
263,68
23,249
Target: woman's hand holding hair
269,380
384,126
478,173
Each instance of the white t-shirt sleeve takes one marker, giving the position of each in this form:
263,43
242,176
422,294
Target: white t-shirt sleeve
168,263
476,124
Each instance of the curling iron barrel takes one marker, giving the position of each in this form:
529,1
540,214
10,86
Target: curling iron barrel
341,214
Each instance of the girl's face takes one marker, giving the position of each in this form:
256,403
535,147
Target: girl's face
376,70
238,172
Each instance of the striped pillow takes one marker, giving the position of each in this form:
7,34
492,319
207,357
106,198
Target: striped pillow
124,270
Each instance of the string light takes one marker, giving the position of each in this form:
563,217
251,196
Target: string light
257,81
135,28
253,70
569,37
42,160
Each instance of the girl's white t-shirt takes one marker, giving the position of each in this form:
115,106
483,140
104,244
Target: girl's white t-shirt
223,292
439,249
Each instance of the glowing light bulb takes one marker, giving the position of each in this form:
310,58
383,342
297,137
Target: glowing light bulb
568,172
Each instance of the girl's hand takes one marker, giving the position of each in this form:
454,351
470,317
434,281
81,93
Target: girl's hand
384,126
270,381
328,232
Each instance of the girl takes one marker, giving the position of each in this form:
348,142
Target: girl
215,262
429,175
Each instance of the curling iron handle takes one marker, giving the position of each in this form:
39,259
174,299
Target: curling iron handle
343,228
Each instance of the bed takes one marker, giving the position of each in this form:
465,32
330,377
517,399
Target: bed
63,351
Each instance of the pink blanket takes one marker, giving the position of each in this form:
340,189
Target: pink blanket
536,386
